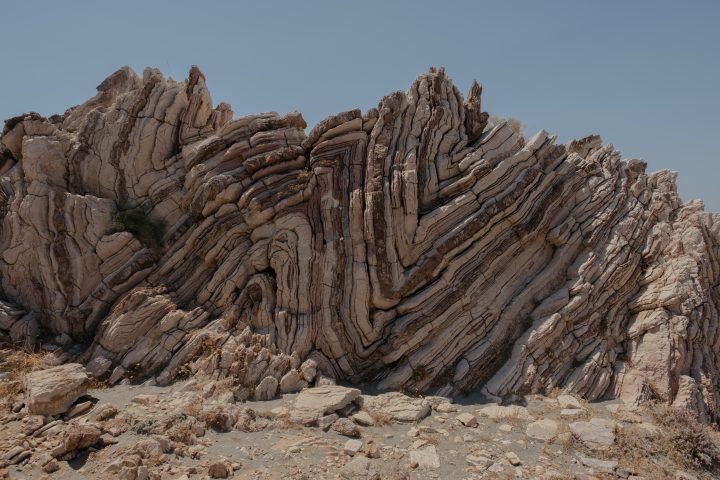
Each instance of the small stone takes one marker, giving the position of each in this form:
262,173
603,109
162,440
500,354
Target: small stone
79,409
568,401
596,434
359,468
572,413
605,466
497,412
353,446
478,461
506,428
326,421
346,427
51,466
294,449
513,459
446,407
542,429
363,418
292,382
98,366
467,419
425,457
266,389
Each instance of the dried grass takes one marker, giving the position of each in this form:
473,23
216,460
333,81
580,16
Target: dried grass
684,443
17,364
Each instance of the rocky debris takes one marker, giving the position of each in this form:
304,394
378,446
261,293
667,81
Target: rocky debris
396,406
596,434
52,391
499,412
544,429
425,457
313,403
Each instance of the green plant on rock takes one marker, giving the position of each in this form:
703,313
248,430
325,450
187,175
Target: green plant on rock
138,221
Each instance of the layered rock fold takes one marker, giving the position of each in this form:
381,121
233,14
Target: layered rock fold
411,246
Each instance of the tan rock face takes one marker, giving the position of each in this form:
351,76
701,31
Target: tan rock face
53,391
410,246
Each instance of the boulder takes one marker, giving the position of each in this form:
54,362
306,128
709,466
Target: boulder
499,412
425,457
312,403
596,434
542,429
54,390
396,406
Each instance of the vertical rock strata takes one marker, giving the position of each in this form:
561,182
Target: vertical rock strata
410,246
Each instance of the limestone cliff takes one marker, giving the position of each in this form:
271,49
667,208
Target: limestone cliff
411,247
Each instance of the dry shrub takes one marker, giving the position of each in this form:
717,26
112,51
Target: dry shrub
217,419
685,443
18,363
182,433
381,419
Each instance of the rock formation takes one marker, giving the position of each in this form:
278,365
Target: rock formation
412,247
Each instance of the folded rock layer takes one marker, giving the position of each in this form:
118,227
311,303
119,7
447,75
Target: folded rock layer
411,246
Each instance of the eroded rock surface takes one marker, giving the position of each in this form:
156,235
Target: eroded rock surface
412,246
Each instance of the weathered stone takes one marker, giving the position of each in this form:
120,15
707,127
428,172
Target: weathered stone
312,403
605,466
363,418
396,406
568,401
498,412
292,382
345,426
353,446
359,468
53,391
596,434
467,419
542,429
266,389
425,457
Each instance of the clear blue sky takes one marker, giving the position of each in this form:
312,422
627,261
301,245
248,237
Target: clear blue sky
643,74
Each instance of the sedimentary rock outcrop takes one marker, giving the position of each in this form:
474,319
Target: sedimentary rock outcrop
411,246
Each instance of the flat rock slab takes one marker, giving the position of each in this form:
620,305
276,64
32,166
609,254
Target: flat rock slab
425,457
596,434
54,390
313,403
397,406
542,429
498,412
